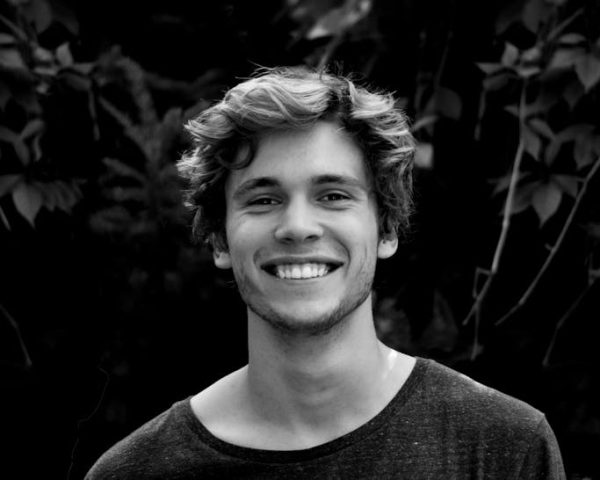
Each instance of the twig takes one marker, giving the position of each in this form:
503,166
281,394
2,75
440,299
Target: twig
81,421
480,113
14,28
475,349
438,74
4,219
555,247
330,49
507,213
564,24
15,326
563,319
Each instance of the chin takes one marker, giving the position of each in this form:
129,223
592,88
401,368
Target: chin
305,321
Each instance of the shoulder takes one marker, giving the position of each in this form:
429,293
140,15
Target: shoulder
457,397
130,457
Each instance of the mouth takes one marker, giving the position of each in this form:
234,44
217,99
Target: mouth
300,271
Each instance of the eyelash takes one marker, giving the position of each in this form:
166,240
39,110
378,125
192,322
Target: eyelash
341,196
270,201
258,201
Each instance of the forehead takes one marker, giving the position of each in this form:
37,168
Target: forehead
294,156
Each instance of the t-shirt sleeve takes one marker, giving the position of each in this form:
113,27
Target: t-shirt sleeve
543,460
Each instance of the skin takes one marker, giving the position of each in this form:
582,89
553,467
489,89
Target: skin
316,369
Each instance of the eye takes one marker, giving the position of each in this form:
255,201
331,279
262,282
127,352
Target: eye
262,201
335,197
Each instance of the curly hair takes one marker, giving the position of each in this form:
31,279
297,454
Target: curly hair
296,98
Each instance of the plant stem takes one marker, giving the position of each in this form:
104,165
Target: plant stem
15,326
507,213
555,247
564,24
562,321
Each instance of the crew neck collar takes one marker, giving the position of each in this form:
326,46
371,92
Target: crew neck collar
291,456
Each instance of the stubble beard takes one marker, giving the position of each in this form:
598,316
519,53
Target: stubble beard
288,324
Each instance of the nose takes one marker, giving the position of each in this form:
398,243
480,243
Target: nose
298,223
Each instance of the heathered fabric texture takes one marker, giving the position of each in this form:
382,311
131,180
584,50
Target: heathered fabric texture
440,425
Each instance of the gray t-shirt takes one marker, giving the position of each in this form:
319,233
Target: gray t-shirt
440,425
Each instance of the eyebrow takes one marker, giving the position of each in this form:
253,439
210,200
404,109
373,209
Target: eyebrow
265,182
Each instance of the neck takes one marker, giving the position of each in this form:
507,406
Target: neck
328,383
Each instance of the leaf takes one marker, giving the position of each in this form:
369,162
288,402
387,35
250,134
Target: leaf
507,16
496,82
123,194
534,14
513,110
40,13
541,127
527,72
11,58
75,80
124,170
584,151
510,55
567,183
424,156
66,16
11,137
574,131
110,220
6,39
51,195
28,201
502,183
490,68
588,70
545,200
581,131
8,182
571,39
523,196
33,127
67,196
572,93
532,143
531,55
340,19
83,68
565,58
552,151
424,122
63,55
593,229
448,103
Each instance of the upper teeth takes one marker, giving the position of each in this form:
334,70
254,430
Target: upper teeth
304,270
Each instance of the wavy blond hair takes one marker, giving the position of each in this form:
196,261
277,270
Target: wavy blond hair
290,98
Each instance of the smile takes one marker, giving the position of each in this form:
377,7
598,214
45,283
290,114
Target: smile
300,271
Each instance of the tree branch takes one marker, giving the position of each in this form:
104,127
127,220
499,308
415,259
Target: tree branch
507,213
563,319
554,248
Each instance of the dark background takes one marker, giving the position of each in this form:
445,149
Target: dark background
109,313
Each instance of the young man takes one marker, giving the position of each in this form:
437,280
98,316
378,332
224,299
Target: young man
300,182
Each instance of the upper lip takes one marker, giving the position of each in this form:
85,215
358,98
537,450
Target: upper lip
294,259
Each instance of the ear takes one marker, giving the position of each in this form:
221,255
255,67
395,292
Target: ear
387,246
222,259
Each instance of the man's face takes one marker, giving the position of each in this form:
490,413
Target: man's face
302,229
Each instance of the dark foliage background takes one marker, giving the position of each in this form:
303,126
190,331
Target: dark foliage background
108,312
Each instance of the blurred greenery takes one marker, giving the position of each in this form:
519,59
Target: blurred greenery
109,313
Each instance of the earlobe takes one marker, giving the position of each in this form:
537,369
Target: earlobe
387,247
222,259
